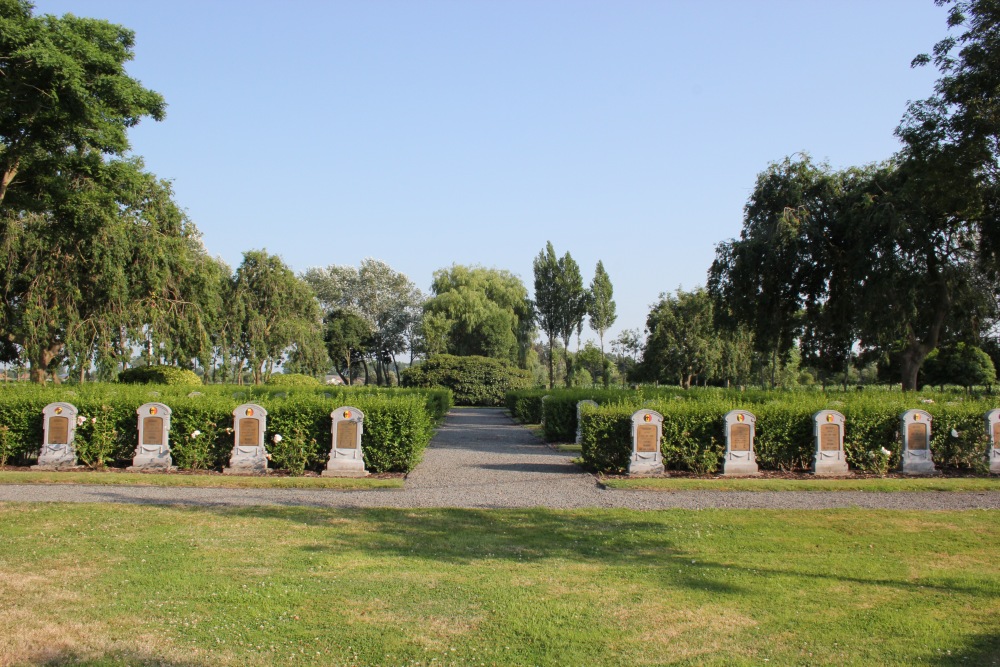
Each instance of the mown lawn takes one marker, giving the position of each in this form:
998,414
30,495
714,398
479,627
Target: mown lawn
962,484
117,585
119,478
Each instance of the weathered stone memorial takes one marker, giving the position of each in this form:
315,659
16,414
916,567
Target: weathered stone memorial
153,450
579,424
346,457
249,455
647,430
58,433
915,425
993,431
740,459
830,459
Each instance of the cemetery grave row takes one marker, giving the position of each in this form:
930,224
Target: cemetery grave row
249,454
694,432
829,456
210,428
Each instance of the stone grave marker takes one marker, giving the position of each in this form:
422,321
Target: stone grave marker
58,433
993,430
153,450
579,425
647,431
542,416
915,425
346,456
740,459
830,459
249,455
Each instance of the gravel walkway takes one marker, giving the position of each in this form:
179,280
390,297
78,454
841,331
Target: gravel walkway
481,459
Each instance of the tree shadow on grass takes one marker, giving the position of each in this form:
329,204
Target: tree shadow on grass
980,650
114,658
604,538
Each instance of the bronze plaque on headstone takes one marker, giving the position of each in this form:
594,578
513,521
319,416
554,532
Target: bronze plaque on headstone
152,431
916,436
58,431
996,435
249,432
347,435
739,438
829,438
645,438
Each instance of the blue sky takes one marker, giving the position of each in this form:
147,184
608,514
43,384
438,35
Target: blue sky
427,133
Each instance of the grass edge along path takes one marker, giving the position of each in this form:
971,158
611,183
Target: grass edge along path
871,484
108,478
114,585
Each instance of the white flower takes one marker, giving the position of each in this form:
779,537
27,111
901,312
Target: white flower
195,434
80,420
886,451
276,438
93,420
954,433
928,401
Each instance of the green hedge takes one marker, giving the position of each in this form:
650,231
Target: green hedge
473,380
169,375
293,380
398,425
694,437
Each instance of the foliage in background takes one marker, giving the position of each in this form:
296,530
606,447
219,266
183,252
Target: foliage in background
159,375
473,380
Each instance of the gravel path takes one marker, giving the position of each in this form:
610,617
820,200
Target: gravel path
481,459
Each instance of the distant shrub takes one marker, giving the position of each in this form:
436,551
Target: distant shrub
159,375
473,380
292,380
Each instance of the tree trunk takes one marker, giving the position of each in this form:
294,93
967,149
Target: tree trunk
7,178
911,360
569,364
552,376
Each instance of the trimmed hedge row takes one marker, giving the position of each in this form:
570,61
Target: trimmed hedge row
398,425
473,380
694,433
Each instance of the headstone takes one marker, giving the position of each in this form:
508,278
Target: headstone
915,425
828,428
993,430
249,455
647,431
740,459
58,433
346,457
153,450
579,424
542,416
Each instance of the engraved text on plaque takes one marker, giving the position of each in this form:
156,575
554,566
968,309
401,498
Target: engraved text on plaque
645,438
152,431
347,435
739,438
829,438
58,431
249,432
916,436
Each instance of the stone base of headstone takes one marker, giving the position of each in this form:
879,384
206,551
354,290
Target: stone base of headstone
54,457
345,468
830,468
151,457
642,468
917,465
247,461
740,468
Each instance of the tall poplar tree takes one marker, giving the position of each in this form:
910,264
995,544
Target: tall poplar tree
547,299
601,309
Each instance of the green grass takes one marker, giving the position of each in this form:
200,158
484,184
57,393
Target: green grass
203,481
966,484
127,585
569,447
